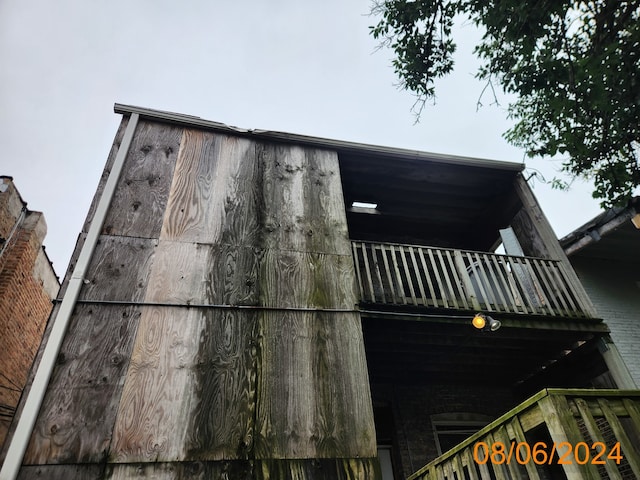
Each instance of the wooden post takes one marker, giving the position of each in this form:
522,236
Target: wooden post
617,368
539,240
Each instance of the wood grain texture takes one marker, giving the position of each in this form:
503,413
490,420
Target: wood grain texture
141,195
189,388
192,273
313,392
303,204
319,469
62,472
214,191
78,412
226,470
119,269
103,178
304,279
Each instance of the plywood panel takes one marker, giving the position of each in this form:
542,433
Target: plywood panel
313,392
318,469
234,470
304,208
193,273
140,198
189,391
119,269
214,192
103,178
62,472
304,279
78,412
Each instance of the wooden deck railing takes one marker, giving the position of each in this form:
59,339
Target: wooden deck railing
590,434
463,280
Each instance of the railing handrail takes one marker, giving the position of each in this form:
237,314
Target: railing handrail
451,278
451,249
519,409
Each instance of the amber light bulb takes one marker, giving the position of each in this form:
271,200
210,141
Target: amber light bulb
479,321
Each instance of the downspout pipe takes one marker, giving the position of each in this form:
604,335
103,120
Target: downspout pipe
33,402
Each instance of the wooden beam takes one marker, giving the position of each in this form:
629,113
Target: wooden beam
539,240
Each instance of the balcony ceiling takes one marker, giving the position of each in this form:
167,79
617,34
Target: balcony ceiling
425,352
459,204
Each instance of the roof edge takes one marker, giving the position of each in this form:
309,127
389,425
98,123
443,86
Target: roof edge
338,145
599,226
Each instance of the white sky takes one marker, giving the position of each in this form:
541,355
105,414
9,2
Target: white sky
306,67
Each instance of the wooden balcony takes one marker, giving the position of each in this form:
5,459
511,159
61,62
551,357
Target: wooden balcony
442,278
573,434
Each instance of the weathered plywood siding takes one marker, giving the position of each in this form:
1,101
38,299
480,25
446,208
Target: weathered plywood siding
215,332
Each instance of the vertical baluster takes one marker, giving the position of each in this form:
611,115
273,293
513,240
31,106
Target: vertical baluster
376,265
500,283
387,271
416,269
517,279
427,275
445,271
407,273
438,281
565,284
356,258
368,272
548,287
398,276
596,434
478,287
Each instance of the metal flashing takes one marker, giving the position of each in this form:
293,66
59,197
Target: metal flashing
340,146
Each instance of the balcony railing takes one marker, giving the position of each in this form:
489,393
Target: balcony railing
590,434
463,280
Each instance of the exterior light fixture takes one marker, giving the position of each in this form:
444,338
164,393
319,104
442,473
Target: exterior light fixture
485,323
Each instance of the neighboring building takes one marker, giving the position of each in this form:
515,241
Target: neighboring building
27,286
251,304
605,253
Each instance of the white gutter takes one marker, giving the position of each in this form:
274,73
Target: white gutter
27,420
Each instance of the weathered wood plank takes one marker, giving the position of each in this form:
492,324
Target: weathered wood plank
214,196
302,197
318,469
298,279
539,240
416,269
141,196
564,428
63,472
119,269
367,271
520,439
376,250
222,470
199,274
189,390
313,392
78,412
499,469
621,436
103,178
357,248
395,295
407,275
596,435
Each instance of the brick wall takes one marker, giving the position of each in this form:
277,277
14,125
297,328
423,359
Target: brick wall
614,288
27,285
414,443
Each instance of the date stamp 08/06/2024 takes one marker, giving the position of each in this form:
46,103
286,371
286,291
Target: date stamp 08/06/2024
541,453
